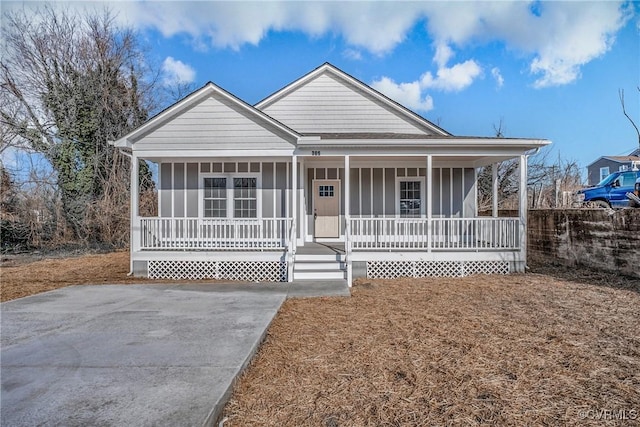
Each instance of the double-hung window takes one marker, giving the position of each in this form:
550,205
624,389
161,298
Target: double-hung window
215,197
230,197
410,198
245,202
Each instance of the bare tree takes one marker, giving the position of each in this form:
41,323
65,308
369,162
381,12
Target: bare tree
624,111
71,84
548,184
507,179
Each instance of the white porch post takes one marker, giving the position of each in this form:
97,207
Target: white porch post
494,192
347,217
303,202
294,217
429,191
347,189
294,190
134,238
523,206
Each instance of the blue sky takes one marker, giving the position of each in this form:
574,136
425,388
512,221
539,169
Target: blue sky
546,69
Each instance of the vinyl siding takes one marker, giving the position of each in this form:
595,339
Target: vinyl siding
166,185
192,190
214,123
453,190
180,185
326,105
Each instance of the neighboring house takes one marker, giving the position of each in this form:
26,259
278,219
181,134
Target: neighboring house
326,178
606,165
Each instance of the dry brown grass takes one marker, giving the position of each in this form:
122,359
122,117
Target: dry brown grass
22,276
535,349
486,350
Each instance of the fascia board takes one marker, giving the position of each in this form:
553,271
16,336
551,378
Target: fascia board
428,143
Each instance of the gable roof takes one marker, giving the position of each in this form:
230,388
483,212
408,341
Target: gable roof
194,98
336,73
623,159
617,159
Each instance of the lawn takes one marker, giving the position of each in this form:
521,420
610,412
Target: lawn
516,350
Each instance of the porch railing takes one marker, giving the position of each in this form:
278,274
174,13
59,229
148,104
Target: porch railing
214,234
435,234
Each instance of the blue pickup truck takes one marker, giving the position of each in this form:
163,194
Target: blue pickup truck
611,192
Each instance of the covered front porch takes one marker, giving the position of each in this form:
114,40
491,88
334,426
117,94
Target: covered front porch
412,215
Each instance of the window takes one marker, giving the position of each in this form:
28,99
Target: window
627,179
326,190
245,202
604,172
215,197
229,196
410,198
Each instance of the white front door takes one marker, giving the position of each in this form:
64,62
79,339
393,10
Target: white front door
326,203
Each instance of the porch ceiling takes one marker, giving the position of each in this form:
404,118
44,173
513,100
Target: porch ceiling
438,160
356,160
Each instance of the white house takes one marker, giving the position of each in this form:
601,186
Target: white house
326,178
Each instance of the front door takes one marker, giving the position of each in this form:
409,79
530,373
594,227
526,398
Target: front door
326,204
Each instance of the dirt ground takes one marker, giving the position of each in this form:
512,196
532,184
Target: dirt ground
560,348
29,274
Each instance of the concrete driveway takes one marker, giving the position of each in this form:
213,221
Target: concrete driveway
161,355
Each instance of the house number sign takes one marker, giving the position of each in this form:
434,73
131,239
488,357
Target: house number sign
315,152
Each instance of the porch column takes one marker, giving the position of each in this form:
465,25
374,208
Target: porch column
292,237
429,191
523,206
303,202
134,243
347,188
347,225
494,192
294,194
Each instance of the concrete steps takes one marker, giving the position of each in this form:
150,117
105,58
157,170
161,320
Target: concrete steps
319,267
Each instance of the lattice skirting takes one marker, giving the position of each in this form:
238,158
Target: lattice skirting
393,269
250,271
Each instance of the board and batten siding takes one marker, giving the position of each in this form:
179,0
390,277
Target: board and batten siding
373,191
327,105
180,184
214,123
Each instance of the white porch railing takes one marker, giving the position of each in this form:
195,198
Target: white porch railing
214,234
444,234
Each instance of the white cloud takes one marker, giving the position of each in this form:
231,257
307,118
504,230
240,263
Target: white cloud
560,37
375,26
448,79
495,72
443,54
557,38
177,72
590,34
453,79
407,94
